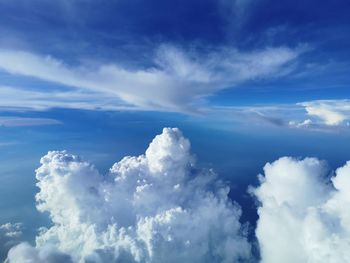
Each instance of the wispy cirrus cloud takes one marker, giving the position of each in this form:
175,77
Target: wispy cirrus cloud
14,121
176,81
41,100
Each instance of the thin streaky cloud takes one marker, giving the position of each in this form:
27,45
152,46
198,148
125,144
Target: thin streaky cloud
176,82
316,115
20,121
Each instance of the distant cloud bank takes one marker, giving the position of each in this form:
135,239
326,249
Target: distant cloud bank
314,115
161,207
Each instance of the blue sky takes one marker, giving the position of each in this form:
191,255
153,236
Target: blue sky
110,52
246,81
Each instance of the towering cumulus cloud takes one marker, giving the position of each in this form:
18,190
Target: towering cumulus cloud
303,218
157,207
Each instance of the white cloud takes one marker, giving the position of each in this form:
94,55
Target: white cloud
11,230
305,123
18,99
175,82
330,112
10,234
303,218
25,253
156,207
159,207
316,115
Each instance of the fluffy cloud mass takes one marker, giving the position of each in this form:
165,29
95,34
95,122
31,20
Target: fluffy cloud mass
157,207
330,112
10,235
28,254
302,217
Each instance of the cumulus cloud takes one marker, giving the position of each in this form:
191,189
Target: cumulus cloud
176,80
28,254
10,234
160,207
322,115
303,217
330,112
156,207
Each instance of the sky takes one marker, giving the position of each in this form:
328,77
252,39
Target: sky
245,88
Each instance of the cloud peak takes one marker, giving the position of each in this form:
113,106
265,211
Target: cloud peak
156,207
160,207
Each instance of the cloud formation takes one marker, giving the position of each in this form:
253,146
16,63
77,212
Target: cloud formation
10,234
302,217
316,115
175,81
160,207
156,207
28,254
330,112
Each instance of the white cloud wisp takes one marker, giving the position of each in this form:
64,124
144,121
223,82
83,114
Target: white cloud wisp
13,121
176,82
316,115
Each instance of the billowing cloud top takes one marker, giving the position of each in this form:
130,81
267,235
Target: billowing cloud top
157,207
306,217
331,112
